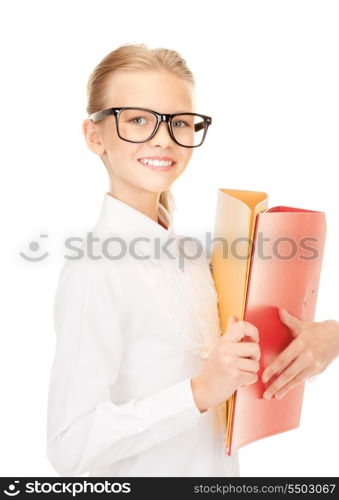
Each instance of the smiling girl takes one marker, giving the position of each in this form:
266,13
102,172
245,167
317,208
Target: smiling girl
141,370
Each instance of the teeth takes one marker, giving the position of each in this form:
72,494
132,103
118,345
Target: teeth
156,163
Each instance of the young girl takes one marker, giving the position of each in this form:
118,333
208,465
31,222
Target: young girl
141,370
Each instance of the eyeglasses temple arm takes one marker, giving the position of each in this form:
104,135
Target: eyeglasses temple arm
200,125
99,115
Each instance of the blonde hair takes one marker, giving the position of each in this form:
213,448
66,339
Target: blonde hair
135,57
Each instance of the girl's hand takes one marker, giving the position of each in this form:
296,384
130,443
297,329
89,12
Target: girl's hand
316,344
231,364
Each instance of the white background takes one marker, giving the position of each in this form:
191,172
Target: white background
266,71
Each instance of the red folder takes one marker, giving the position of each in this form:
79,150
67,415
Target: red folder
285,250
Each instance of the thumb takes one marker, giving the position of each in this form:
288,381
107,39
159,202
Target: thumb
231,320
293,323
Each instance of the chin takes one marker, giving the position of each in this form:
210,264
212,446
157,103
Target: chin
156,182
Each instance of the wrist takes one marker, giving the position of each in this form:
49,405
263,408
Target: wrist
196,391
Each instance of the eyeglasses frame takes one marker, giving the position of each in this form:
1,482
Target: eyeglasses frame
161,117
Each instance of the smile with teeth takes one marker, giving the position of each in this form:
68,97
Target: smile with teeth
156,163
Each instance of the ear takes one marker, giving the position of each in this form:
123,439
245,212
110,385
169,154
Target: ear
93,136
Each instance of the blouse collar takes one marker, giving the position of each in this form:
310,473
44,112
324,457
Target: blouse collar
130,223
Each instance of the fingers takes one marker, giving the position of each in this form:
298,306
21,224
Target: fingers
248,378
281,361
247,349
290,373
302,375
240,329
247,365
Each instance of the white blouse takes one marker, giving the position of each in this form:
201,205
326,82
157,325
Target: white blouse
133,327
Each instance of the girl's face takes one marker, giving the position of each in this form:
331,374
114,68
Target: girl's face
160,91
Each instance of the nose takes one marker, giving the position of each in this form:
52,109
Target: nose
162,137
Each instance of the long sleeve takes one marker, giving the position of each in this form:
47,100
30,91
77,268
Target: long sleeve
85,427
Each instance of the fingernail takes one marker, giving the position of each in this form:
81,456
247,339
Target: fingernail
279,396
264,378
267,395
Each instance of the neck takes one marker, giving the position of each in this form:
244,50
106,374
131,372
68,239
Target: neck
143,201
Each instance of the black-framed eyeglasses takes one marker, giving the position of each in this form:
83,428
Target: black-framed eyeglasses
141,124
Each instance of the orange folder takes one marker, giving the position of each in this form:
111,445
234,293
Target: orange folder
264,259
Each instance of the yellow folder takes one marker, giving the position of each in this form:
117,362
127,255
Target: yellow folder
235,219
